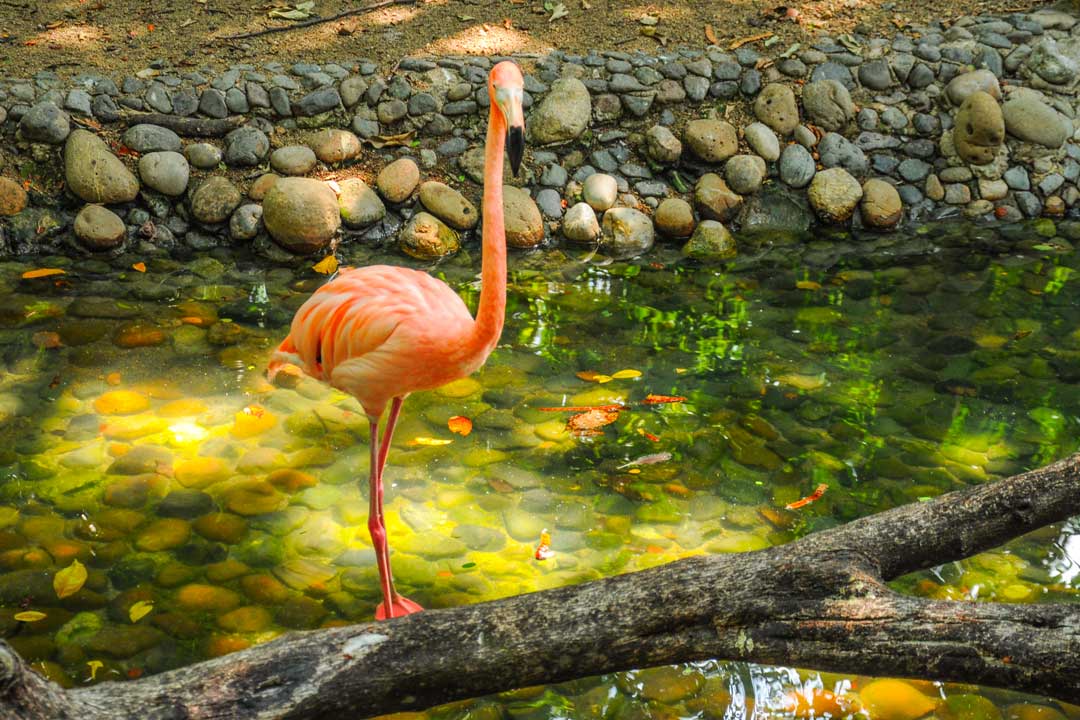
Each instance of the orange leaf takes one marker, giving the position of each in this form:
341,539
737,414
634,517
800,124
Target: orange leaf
752,38
42,272
710,35
327,266
649,435
140,266
590,422
460,424
150,27
47,340
651,399
818,492
30,43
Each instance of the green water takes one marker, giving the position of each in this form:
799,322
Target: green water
149,447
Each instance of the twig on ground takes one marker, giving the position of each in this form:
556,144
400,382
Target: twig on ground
317,21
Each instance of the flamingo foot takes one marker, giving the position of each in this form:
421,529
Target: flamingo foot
401,606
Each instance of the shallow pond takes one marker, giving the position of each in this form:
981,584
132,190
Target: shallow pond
213,511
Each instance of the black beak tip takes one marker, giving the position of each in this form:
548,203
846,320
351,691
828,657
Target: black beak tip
515,148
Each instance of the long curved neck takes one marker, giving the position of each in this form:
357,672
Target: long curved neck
492,309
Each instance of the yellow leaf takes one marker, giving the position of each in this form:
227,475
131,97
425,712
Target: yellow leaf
140,610
42,272
808,285
428,442
30,616
139,266
710,35
69,580
327,266
625,374
95,665
602,379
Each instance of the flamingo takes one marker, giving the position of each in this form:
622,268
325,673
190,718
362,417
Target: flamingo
382,332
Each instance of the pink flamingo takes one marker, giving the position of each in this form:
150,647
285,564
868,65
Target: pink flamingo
382,332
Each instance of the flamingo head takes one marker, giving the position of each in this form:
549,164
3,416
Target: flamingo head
506,87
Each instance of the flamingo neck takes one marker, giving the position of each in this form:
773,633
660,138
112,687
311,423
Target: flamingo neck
492,308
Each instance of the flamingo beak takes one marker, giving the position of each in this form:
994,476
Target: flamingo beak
509,101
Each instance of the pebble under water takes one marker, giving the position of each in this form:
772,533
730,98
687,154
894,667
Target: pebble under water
212,511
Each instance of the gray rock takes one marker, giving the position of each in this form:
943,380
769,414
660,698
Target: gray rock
828,104
626,232
214,200
835,150
359,204
144,138
712,140
914,170
776,210
246,146
1017,178
775,106
301,214
422,103
279,101
93,173
449,205
797,166
105,109
894,118
78,101
600,191
745,173
236,101
1052,62
98,228
696,87
961,86
563,115
158,98
293,160
185,102
245,222
921,76
833,71
763,141
319,101
203,155
875,75
711,242
834,194
45,123
550,203
580,224
257,96
957,194
167,172
1028,118
662,146
391,111
212,103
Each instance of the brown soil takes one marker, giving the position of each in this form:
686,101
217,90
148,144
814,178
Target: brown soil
123,36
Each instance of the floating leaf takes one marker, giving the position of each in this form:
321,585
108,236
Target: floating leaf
648,460
42,272
590,422
139,267
593,376
69,580
94,666
460,424
468,566
327,266
625,374
140,610
808,285
651,399
428,442
818,492
710,35
583,408
30,616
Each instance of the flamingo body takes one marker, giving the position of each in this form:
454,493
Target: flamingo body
381,332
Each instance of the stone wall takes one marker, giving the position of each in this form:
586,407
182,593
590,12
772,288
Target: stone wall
975,119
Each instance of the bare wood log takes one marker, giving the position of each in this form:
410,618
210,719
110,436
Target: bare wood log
317,21
817,602
188,126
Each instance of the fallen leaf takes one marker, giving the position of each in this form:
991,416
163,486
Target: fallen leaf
139,267
113,379
69,580
500,486
460,424
30,616
327,266
150,27
818,492
625,374
710,35
46,340
42,272
749,39
54,24
559,11
589,423
651,399
381,141
428,442
808,285
647,460
465,18
94,666
140,610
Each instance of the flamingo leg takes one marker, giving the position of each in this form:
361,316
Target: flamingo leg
393,605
